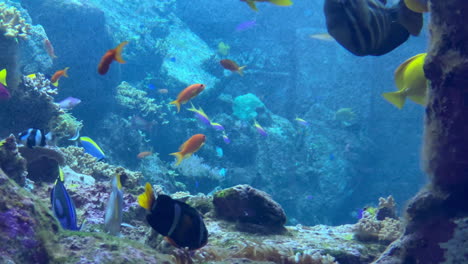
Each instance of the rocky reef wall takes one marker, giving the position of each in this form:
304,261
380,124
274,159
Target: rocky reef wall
437,217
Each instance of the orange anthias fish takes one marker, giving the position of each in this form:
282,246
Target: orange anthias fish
144,154
187,94
49,48
110,56
189,147
57,75
232,66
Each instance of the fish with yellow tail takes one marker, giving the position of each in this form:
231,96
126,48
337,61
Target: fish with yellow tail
190,146
253,6
260,129
410,81
418,6
232,66
113,216
180,224
187,94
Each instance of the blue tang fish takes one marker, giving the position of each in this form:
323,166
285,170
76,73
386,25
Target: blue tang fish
62,205
113,217
92,148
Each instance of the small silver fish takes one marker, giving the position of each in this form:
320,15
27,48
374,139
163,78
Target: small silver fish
113,217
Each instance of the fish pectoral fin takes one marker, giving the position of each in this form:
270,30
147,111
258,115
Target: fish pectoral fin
281,2
252,5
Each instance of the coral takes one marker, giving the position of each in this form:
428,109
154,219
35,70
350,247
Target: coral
387,208
253,209
42,162
39,83
81,162
390,230
65,125
12,23
369,228
11,162
194,166
135,100
223,48
245,106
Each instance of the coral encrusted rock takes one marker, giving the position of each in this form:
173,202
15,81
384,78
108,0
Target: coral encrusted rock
253,209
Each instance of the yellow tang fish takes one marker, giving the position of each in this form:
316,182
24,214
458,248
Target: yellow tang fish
410,81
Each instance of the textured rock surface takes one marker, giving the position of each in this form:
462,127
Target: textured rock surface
437,216
252,208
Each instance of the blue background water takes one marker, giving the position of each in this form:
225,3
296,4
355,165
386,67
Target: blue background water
321,174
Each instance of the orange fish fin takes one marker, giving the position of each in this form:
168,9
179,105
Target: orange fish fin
171,241
146,199
176,103
118,52
180,157
65,71
241,70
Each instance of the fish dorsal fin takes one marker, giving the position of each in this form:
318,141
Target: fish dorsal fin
3,75
146,199
281,2
399,72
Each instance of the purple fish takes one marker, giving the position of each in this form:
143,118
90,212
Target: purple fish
69,103
203,118
246,25
217,126
226,139
4,93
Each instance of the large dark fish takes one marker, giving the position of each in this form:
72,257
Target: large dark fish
62,204
368,27
178,222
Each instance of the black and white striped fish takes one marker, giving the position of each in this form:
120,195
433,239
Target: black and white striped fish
34,137
369,27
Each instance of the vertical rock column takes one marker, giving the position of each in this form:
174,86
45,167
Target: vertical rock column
437,218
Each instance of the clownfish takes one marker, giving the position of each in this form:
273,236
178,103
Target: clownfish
178,222
110,56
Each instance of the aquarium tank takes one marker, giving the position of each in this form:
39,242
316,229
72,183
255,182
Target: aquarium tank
233,131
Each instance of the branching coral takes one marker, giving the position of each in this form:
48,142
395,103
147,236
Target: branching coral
195,167
387,208
136,100
39,84
12,23
65,125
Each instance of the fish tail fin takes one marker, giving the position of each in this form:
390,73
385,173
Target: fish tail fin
409,19
396,98
176,103
146,199
422,100
3,75
179,157
281,2
252,5
118,52
241,70
65,71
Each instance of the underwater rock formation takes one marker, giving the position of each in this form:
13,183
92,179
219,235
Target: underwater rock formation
254,210
11,162
42,163
436,230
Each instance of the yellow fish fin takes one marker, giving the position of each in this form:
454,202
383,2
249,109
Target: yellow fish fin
418,6
118,52
176,103
396,98
146,199
418,99
65,71
179,157
252,5
400,71
281,2
55,84
119,184
3,75
240,70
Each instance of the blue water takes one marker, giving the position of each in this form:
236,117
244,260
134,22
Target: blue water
320,173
